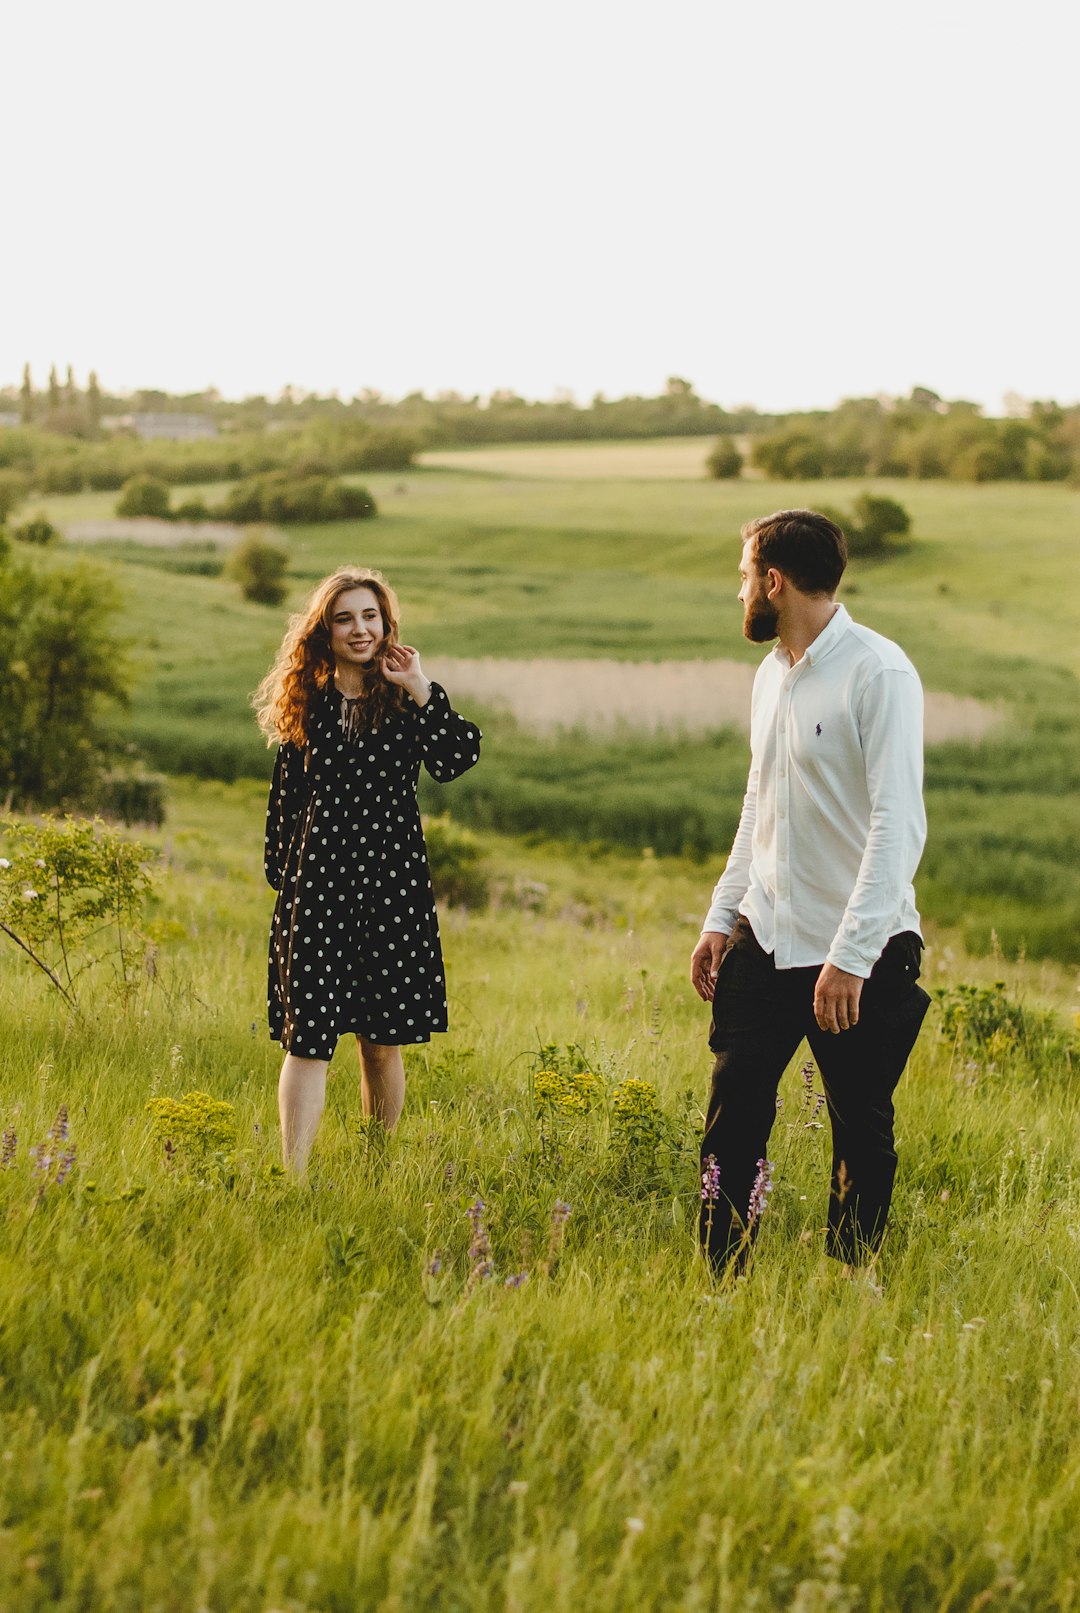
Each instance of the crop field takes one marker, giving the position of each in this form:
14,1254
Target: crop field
223,1390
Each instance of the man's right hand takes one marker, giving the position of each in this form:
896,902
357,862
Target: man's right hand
705,962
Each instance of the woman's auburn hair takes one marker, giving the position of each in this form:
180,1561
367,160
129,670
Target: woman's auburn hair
304,665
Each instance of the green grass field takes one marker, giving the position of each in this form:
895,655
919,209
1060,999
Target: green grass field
490,561
224,1391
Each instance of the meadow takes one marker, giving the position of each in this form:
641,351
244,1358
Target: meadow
505,553
478,1365
225,1390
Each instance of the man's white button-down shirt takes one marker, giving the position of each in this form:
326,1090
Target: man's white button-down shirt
833,824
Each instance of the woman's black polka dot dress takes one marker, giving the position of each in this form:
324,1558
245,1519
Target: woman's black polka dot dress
354,944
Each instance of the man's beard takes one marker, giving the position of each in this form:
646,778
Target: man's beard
761,622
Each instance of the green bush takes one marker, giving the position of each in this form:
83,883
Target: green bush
193,509
133,797
259,568
144,495
454,856
880,524
37,530
59,662
14,486
281,497
725,461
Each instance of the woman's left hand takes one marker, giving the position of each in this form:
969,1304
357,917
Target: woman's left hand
401,665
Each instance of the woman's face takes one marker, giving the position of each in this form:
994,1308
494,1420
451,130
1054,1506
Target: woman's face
356,627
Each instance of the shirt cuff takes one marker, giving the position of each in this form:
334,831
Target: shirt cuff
436,701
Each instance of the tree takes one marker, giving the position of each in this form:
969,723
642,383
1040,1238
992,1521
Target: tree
26,396
259,568
93,401
144,495
60,663
71,391
725,461
54,389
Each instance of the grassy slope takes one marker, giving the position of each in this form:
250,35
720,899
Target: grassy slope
240,1398
491,564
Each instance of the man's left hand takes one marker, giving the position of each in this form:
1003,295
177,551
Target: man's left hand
836,999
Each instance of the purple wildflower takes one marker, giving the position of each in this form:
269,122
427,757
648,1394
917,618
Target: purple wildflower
435,1264
710,1181
480,1249
759,1193
8,1147
516,1279
66,1162
807,1073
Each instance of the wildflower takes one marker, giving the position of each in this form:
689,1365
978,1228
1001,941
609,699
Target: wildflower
710,1181
7,1147
59,1129
435,1264
39,862
64,1167
807,1073
559,1217
635,1526
516,1279
482,1265
29,895
4,864
759,1193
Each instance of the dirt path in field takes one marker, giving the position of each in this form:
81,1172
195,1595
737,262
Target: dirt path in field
691,696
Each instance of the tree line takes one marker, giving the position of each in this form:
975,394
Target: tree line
62,444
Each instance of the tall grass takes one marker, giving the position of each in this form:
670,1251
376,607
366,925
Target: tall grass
223,1390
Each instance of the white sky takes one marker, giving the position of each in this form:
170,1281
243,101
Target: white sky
784,202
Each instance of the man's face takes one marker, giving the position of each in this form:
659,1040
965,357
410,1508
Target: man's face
761,620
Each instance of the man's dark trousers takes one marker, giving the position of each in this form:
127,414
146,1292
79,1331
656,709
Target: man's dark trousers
760,1015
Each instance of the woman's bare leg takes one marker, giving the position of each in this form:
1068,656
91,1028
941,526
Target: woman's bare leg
301,1096
382,1082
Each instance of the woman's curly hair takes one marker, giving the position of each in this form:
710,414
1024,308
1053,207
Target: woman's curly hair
304,664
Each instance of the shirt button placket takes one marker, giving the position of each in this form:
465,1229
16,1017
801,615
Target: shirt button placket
783,880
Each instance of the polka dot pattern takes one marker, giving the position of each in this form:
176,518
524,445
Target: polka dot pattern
354,943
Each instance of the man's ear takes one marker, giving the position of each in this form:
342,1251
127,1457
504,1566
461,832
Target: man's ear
774,582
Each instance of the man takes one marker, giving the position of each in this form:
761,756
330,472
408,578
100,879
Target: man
813,929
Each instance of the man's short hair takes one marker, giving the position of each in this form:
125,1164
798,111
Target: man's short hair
808,548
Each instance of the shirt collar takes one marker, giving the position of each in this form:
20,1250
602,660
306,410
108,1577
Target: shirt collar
826,640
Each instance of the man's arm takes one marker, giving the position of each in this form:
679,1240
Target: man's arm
891,730
729,891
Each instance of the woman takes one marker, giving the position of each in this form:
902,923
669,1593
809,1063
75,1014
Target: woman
355,940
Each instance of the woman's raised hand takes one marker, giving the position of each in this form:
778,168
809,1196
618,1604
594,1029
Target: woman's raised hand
401,665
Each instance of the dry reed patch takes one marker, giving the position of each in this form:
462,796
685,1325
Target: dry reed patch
153,533
655,696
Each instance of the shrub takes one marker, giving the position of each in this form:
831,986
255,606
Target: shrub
69,893
192,509
259,568
725,461
37,530
133,797
879,525
14,487
144,495
985,1020
454,856
283,497
59,624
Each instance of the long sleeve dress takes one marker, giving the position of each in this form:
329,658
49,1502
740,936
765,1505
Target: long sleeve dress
354,943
